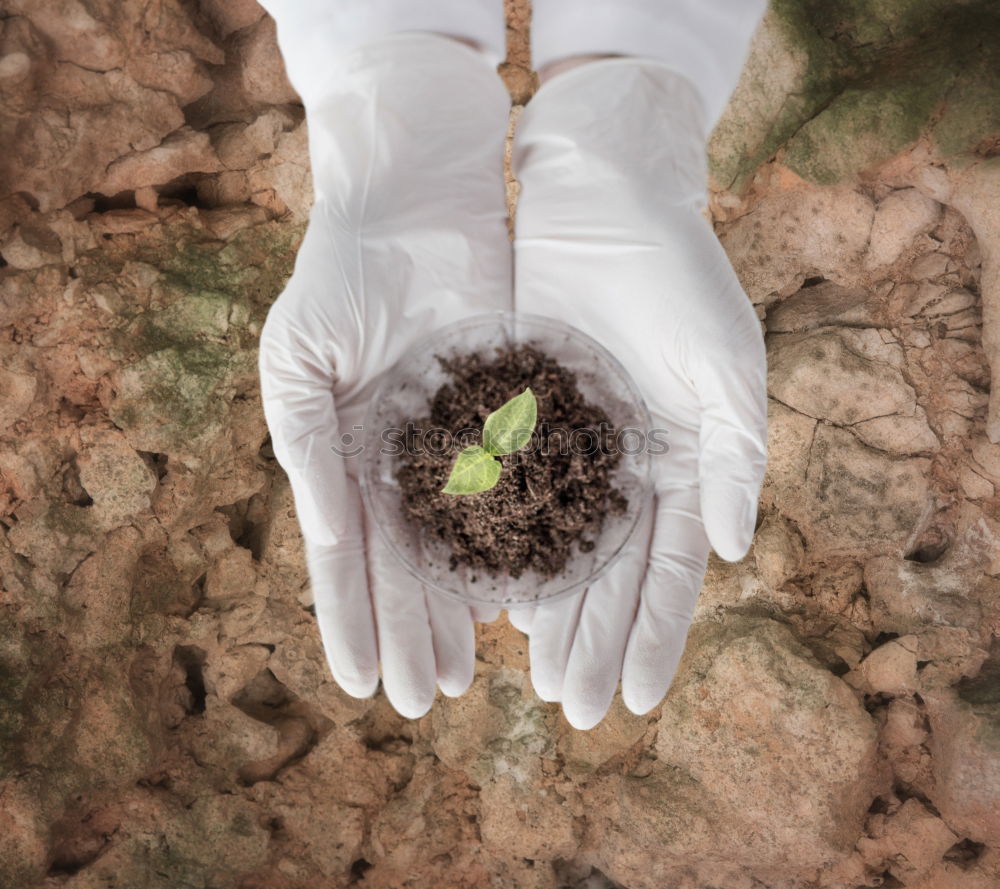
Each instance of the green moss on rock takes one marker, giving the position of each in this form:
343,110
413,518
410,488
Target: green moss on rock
170,398
190,357
860,129
859,82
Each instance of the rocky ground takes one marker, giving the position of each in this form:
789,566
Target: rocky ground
166,715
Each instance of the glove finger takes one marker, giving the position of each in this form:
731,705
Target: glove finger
454,635
485,614
521,618
607,615
405,637
343,607
677,562
296,391
732,389
549,644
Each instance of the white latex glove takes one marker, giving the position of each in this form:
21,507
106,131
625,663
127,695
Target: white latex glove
611,161
408,233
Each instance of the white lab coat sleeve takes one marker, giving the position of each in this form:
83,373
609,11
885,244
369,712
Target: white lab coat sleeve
706,41
312,33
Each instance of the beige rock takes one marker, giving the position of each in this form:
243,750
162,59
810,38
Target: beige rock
232,15
147,198
117,478
231,575
794,235
182,152
15,67
947,655
123,222
110,711
953,875
419,830
977,197
964,400
496,728
911,841
330,834
931,266
818,374
226,222
750,716
530,874
24,59
898,434
23,470
238,146
789,441
24,852
963,743
974,485
76,236
56,161
299,663
221,834
905,595
891,668
29,247
176,71
17,392
100,590
585,752
175,28
226,190
521,819
75,34
281,541
876,344
778,551
854,499
262,69
245,621
231,738
57,538
987,457
939,300
164,834
230,670
288,175
899,219
825,303
904,725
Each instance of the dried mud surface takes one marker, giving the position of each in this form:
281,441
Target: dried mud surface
166,714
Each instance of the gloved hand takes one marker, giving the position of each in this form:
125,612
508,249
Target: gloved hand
408,233
609,236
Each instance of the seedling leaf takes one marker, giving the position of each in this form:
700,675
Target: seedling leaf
509,427
475,470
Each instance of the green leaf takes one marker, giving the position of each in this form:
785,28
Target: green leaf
475,470
509,427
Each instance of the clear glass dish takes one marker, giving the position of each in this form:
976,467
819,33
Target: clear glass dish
405,392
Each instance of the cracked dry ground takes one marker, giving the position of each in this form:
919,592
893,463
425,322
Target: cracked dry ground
167,718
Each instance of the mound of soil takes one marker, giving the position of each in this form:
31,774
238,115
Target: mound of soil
552,495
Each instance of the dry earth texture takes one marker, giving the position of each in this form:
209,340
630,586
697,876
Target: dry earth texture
167,720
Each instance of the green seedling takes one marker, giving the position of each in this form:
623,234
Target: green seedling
506,430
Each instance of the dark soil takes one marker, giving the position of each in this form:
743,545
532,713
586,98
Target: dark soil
551,496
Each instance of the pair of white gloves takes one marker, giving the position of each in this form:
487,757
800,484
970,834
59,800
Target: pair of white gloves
408,233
